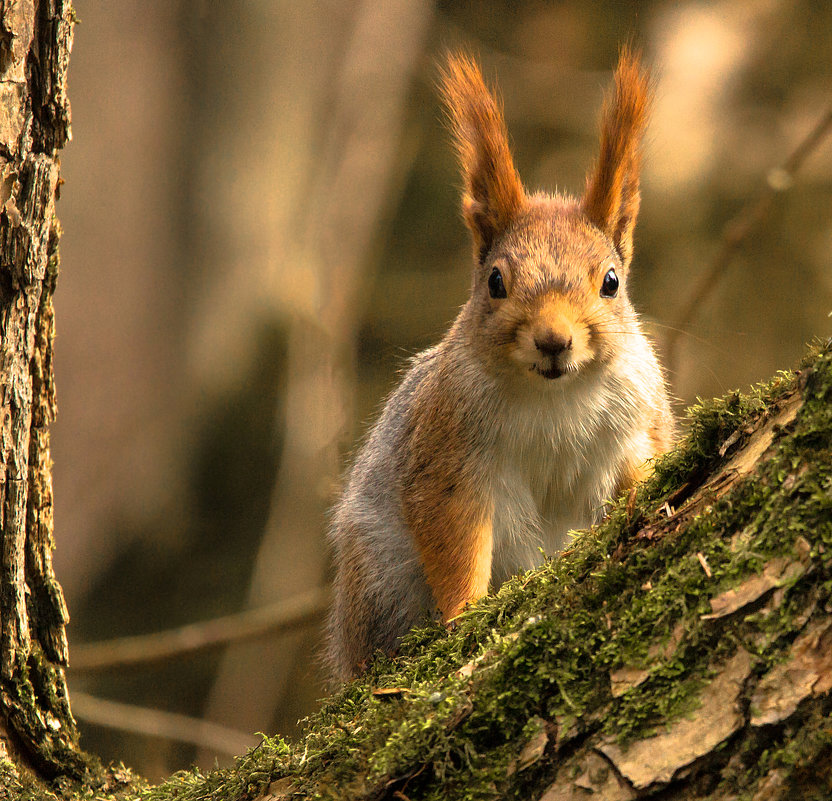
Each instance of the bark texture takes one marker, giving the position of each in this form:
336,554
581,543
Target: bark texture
36,725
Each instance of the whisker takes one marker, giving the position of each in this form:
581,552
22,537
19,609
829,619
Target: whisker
701,340
716,330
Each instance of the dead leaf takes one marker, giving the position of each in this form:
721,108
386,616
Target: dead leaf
745,460
534,748
625,678
776,573
389,692
657,759
466,671
597,781
807,671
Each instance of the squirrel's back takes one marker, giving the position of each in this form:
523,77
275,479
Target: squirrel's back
380,590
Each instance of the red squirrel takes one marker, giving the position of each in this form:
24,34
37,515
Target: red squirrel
543,401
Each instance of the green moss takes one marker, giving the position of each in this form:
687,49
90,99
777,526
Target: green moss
38,711
804,759
631,592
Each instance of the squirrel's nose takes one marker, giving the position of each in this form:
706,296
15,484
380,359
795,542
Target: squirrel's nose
553,344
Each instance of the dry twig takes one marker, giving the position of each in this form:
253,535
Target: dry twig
156,723
162,645
738,229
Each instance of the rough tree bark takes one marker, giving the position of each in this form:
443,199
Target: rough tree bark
36,725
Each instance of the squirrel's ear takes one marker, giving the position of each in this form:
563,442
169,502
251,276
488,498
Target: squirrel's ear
492,193
612,195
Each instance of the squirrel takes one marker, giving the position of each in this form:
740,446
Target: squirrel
542,402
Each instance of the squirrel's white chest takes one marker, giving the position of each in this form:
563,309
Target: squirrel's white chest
554,468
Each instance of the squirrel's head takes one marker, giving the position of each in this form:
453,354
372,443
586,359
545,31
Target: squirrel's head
550,279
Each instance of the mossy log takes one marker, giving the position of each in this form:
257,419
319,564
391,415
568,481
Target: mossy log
681,650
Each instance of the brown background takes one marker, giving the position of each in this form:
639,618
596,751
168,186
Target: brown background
261,223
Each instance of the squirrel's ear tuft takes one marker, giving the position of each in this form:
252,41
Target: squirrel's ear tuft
612,193
492,193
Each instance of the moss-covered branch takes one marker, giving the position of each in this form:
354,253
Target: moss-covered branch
680,650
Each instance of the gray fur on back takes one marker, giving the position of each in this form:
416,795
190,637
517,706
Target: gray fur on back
380,587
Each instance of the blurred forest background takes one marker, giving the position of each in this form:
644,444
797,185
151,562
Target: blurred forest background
261,223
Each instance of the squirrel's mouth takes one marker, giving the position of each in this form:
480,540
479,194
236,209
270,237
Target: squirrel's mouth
553,370
549,372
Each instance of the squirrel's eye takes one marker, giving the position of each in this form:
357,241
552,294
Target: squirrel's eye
609,289
496,287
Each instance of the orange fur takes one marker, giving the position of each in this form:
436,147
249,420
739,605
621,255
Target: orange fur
612,193
660,434
445,506
633,473
492,193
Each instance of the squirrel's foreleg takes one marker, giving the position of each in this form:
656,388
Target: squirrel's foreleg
454,537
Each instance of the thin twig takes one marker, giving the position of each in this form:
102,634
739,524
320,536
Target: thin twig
738,229
156,723
161,645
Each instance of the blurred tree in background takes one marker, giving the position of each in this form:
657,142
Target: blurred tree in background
262,223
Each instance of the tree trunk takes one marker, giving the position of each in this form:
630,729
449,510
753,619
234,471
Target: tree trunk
36,725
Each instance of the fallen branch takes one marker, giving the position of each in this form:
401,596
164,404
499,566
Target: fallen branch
156,723
173,643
